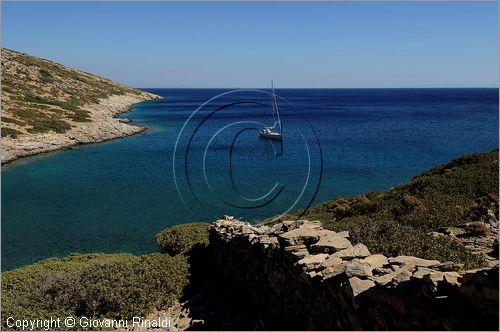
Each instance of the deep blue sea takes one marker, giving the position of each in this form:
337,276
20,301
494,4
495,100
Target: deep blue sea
197,163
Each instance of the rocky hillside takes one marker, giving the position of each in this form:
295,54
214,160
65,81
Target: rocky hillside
47,106
447,213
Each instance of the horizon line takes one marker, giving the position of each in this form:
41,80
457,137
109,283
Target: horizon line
330,88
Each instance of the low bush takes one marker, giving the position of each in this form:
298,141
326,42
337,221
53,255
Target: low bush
11,120
45,76
93,285
10,132
41,122
80,115
47,125
180,239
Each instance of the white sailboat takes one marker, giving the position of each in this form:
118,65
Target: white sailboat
273,132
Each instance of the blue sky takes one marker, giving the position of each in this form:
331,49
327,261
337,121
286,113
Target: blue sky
222,44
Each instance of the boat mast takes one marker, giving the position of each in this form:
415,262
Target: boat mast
275,108
273,102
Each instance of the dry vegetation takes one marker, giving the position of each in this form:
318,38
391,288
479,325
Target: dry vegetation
400,221
40,96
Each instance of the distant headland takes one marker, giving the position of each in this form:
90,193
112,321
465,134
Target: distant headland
47,106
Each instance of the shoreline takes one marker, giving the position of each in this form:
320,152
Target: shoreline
103,127
76,144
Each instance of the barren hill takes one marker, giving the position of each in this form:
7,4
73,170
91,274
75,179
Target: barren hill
47,106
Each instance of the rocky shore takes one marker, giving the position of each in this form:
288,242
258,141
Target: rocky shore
103,127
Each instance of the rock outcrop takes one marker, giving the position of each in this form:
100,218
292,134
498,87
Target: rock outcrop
477,236
298,276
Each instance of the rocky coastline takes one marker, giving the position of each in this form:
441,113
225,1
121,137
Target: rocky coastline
103,127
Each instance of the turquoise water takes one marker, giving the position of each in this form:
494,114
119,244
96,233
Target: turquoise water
115,196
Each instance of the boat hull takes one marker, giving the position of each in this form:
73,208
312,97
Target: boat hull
270,136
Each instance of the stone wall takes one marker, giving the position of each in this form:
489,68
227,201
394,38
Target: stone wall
297,275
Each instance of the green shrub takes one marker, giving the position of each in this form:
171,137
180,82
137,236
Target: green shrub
41,122
80,115
45,76
10,132
47,125
14,121
93,285
72,106
397,222
181,238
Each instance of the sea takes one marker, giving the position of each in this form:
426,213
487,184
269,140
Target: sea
201,158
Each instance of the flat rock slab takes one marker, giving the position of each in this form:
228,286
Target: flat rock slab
421,272
401,274
357,251
332,271
410,260
299,251
303,235
436,276
358,268
447,266
311,262
331,261
377,260
343,234
331,244
358,286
